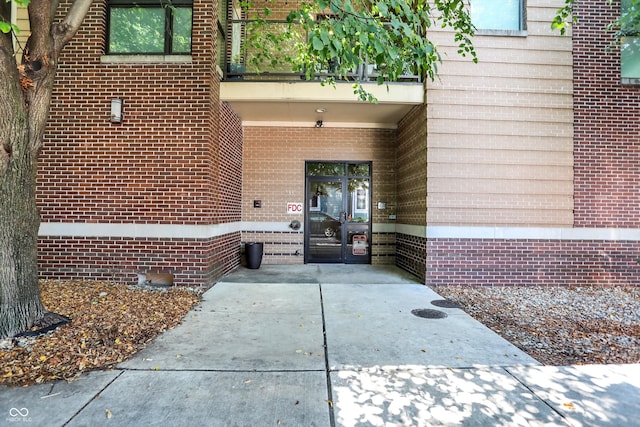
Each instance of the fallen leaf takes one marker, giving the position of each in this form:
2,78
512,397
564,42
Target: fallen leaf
99,335
108,412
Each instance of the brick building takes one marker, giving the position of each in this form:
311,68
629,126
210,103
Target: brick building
521,169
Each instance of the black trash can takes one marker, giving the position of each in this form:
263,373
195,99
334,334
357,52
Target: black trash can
253,252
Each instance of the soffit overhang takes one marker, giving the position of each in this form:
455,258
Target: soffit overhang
302,104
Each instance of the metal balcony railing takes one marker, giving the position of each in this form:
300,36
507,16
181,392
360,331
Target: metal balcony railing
250,64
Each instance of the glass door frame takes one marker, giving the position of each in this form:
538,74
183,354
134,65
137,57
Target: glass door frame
348,254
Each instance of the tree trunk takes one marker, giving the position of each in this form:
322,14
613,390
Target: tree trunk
25,93
25,96
20,137
20,303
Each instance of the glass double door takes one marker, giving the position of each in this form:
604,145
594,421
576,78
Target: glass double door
338,212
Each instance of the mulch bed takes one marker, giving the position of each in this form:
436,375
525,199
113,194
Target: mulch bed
559,325
108,323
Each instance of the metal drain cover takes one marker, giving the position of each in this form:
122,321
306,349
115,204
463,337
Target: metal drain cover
427,313
445,303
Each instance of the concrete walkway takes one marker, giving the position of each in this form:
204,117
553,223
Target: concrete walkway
330,345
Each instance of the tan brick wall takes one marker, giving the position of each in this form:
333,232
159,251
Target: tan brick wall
411,164
22,21
274,160
500,148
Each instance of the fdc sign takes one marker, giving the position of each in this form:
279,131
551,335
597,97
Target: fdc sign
294,208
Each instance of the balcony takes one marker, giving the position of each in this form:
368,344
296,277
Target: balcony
272,93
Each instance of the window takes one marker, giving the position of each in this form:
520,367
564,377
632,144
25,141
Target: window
630,57
223,21
629,41
149,27
498,14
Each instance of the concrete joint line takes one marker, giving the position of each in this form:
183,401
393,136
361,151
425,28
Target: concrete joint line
95,396
560,414
332,420
233,371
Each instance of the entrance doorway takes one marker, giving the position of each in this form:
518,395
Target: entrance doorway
338,212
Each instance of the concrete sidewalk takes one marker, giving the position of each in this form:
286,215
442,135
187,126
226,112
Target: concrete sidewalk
330,345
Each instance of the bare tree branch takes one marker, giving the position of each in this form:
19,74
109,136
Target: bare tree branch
69,26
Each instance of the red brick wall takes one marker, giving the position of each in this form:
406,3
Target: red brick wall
154,167
607,146
193,262
166,164
228,194
531,262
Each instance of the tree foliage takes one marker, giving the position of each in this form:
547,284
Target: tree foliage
628,22
390,35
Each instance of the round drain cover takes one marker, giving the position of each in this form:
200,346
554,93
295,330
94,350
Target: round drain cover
445,303
427,313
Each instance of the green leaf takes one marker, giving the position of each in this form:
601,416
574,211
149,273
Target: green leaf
337,45
382,7
5,27
317,43
392,52
324,35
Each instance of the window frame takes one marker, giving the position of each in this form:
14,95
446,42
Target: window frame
168,24
629,34
522,21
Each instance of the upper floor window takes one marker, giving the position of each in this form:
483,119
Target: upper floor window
498,14
149,27
629,41
630,57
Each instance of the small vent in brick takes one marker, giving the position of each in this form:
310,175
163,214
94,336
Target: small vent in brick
427,313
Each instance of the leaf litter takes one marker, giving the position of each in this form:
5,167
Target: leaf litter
109,323
558,325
